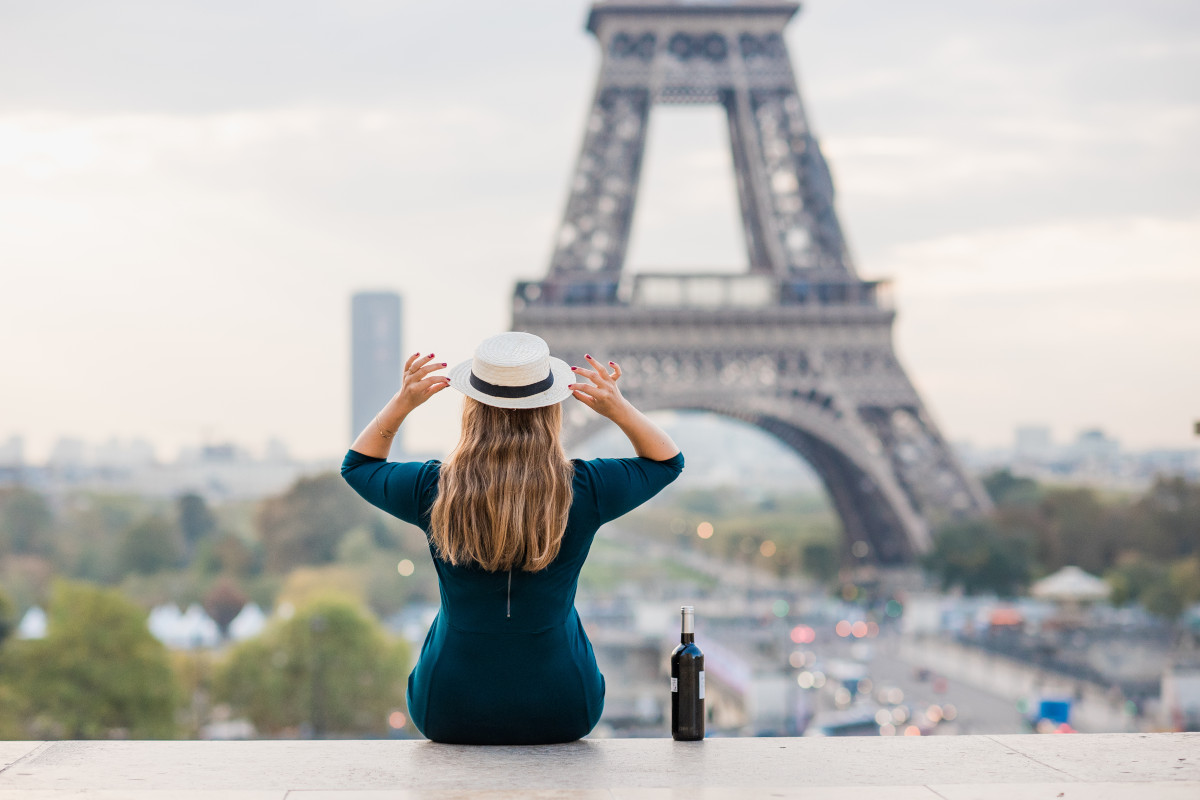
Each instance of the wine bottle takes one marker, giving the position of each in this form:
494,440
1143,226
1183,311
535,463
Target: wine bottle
687,683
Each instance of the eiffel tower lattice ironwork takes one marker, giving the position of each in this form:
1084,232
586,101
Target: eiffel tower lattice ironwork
798,345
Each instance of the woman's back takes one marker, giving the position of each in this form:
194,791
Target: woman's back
507,660
509,523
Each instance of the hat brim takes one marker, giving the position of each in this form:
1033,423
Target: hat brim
460,378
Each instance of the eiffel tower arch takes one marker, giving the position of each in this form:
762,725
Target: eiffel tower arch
798,345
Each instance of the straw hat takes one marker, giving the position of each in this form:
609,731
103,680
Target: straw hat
513,370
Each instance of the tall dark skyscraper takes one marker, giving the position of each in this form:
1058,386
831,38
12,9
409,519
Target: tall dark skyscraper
375,360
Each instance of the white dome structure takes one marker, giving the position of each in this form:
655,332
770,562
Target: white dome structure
194,628
1071,585
248,623
32,624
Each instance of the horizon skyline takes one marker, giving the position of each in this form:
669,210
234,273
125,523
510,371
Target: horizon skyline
185,233
260,449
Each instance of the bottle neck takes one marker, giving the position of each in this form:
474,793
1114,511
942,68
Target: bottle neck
687,638
688,632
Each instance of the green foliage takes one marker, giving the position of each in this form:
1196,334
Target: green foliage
975,556
1169,514
97,671
820,561
1177,587
8,616
1008,490
226,553
150,545
195,520
357,546
331,665
1132,578
25,522
305,524
90,531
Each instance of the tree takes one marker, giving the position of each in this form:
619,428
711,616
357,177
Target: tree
25,522
1132,578
1007,489
195,519
974,555
820,561
225,553
149,546
98,671
330,665
8,616
305,524
1169,516
224,600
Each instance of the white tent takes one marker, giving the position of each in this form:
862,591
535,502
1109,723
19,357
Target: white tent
1073,585
195,628
33,624
248,623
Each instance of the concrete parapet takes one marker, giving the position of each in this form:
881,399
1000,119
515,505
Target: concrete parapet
1163,766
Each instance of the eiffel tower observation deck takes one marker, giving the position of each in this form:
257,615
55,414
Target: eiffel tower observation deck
799,344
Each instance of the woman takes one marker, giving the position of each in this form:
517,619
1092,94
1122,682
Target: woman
509,522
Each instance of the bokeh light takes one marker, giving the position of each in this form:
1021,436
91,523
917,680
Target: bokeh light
767,548
704,530
803,634
405,567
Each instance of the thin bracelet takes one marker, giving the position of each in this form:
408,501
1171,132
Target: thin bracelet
379,428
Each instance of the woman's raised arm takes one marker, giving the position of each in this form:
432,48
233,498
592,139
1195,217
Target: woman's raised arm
419,384
605,398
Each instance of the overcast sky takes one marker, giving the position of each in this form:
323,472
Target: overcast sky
191,191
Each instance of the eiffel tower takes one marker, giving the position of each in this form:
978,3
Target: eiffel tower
798,345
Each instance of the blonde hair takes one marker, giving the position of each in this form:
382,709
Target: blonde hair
505,491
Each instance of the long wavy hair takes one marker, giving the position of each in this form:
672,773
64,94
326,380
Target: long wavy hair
505,491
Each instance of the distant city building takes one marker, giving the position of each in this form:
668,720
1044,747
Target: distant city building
1033,444
1094,447
375,358
12,452
12,460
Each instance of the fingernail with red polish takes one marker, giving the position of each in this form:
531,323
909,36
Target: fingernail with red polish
574,368
443,363
585,355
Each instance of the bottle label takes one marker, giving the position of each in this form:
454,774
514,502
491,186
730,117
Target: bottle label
701,685
674,684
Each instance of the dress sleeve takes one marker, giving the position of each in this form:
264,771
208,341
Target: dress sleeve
620,485
403,489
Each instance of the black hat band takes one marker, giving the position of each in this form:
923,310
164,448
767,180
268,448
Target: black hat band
495,390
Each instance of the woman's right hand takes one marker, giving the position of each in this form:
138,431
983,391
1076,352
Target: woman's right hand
601,395
419,382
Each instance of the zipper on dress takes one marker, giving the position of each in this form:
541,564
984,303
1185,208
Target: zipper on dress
508,608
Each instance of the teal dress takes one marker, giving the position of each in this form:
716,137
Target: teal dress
506,660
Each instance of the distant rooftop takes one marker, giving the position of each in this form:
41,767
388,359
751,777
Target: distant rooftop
1164,766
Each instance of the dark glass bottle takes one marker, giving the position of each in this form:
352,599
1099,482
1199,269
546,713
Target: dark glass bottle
687,684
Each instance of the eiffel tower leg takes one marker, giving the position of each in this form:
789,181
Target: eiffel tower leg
762,241
594,234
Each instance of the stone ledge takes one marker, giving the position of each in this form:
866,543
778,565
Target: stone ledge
1162,766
